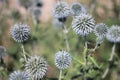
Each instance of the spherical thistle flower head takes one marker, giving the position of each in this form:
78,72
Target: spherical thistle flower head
83,24
36,12
62,59
101,29
113,34
20,32
57,24
2,52
77,9
61,10
36,67
19,75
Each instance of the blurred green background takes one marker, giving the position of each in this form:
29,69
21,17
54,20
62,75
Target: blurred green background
46,40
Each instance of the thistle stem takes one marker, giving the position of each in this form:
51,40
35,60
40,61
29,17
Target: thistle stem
110,59
85,58
66,38
60,75
24,53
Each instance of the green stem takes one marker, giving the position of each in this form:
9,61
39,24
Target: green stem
24,53
110,59
85,58
60,75
66,38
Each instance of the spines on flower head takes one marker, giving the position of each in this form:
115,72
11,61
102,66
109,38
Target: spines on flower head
61,10
101,30
2,52
62,59
113,34
19,75
36,67
83,24
20,32
77,8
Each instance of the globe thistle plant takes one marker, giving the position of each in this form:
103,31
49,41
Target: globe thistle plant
36,67
2,52
61,10
20,32
19,75
101,30
62,59
113,34
77,9
83,24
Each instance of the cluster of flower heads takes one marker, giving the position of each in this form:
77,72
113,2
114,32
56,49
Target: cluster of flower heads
2,52
113,34
36,67
83,24
20,32
62,59
19,75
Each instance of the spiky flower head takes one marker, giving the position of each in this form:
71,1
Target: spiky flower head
36,67
2,52
62,59
19,75
61,10
101,30
113,34
77,9
20,32
83,24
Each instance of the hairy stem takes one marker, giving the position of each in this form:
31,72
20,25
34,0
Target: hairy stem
85,58
60,75
66,38
24,53
110,59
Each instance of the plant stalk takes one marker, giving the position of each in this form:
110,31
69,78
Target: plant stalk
60,75
110,59
24,53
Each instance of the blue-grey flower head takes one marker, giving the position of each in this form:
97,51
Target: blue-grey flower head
38,3
2,52
62,59
36,12
101,30
19,75
57,24
77,9
36,67
83,24
113,34
20,32
25,3
61,10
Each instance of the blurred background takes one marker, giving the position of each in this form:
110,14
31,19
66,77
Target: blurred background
46,39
